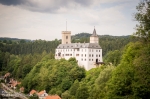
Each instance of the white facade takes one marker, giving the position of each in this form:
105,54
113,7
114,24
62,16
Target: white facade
87,54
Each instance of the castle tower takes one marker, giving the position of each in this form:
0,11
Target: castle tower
66,37
94,37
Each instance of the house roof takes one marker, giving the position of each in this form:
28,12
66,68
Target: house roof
41,92
32,92
79,45
52,97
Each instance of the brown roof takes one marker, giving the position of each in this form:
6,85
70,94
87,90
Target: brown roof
52,97
32,92
41,92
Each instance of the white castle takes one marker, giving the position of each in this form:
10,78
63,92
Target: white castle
86,54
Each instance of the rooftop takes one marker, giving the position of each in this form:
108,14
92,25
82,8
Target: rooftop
79,45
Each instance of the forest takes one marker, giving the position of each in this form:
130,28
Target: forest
127,77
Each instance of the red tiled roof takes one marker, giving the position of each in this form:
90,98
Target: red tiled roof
53,97
32,92
41,92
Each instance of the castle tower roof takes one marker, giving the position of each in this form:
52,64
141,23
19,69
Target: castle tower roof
94,32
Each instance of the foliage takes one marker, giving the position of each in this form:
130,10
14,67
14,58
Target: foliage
52,75
113,57
143,17
82,92
130,79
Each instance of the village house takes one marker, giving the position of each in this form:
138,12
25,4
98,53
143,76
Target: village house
42,94
32,92
52,97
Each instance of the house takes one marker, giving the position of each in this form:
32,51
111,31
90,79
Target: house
13,83
52,97
42,94
32,92
88,55
6,77
22,89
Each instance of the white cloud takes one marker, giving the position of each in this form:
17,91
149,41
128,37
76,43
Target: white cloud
24,23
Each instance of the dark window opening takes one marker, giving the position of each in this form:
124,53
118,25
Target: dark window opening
96,60
59,54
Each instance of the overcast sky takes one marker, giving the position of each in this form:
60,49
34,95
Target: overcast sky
45,19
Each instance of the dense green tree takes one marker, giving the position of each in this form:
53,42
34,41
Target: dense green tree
74,87
82,92
143,17
66,95
113,57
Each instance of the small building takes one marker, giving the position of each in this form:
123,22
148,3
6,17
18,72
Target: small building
42,94
21,89
7,77
32,92
52,97
86,54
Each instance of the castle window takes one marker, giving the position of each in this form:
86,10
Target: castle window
99,50
92,59
66,37
89,59
56,54
82,55
70,54
99,55
92,55
59,54
82,59
85,55
77,54
89,55
96,50
96,55
85,59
